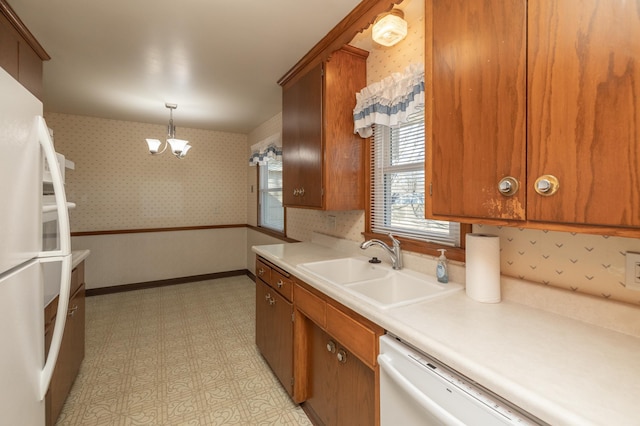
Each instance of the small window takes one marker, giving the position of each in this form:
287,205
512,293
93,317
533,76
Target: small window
270,209
398,188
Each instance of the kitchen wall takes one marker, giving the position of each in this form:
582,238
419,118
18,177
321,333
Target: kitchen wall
580,263
117,185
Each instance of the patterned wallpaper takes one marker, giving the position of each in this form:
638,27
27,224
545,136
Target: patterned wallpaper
592,264
117,184
581,263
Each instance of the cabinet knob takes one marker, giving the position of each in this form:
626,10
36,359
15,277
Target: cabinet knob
261,272
508,186
267,297
331,346
301,191
279,283
547,185
296,192
342,356
272,301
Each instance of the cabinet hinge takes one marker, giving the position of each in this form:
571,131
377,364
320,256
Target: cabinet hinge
430,188
293,317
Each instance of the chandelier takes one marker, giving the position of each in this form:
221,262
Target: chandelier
179,147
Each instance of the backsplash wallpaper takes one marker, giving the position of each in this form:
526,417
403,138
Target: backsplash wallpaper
118,185
581,263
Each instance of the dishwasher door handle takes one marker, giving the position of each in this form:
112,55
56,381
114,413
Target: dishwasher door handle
414,393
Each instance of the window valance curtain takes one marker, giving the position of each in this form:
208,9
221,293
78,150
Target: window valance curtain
390,101
265,150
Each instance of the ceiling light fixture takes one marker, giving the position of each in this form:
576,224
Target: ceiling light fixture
179,147
390,28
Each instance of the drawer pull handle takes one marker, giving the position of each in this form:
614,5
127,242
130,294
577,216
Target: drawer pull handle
272,301
342,356
267,297
261,272
279,283
72,311
331,346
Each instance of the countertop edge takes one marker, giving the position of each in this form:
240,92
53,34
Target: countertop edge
533,401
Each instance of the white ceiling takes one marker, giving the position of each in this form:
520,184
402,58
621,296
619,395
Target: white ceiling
218,60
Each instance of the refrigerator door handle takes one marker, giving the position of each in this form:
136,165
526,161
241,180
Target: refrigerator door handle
61,318
63,255
64,230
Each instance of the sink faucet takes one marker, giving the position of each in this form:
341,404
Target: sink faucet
394,253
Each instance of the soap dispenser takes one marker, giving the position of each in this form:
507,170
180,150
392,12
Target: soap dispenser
442,270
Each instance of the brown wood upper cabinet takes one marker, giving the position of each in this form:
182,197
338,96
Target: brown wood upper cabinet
20,53
322,157
545,92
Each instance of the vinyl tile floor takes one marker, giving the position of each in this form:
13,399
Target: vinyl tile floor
177,355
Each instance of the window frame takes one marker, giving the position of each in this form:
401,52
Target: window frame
410,244
259,203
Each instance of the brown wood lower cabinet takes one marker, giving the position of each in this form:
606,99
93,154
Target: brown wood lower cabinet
274,320
274,332
323,353
341,387
72,348
335,358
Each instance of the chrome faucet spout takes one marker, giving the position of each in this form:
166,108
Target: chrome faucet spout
394,253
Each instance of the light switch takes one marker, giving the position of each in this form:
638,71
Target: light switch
632,280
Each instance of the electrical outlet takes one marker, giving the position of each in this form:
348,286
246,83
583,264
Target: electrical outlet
633,271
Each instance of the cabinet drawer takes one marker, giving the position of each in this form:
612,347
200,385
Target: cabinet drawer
311,305
263,271
282,284
359,339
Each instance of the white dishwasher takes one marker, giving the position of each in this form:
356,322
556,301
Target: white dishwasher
417,390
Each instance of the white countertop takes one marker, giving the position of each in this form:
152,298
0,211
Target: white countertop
559,369
52,275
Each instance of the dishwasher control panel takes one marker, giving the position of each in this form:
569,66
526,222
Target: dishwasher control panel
416,389
472,390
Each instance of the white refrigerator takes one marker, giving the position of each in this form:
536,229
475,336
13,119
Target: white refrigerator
25,374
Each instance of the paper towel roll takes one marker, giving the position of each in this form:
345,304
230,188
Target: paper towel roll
483,267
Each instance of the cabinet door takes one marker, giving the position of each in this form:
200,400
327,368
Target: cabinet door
302,141
479,91
76,331
70,356
274,332
583,112
342,387
323,376
356,394
281,340
263,319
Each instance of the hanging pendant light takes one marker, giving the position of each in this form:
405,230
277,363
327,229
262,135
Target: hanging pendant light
179,147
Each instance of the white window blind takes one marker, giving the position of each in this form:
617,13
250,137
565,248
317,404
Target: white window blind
271,211
397,180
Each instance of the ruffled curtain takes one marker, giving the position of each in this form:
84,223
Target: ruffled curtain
390,101
265,150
